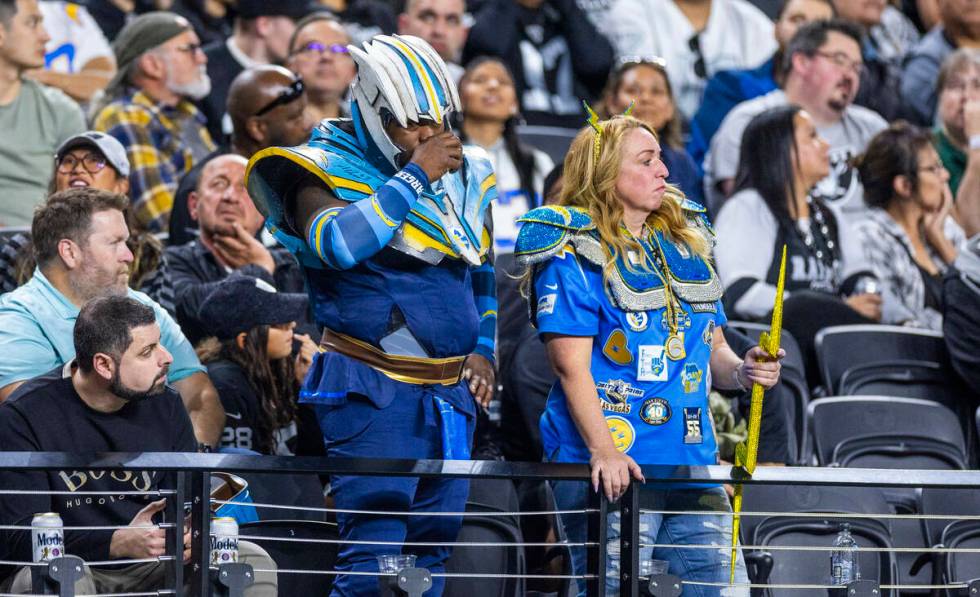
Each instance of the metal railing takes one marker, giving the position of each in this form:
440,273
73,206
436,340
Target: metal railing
192,486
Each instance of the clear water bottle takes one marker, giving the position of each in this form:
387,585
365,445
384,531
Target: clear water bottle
844,558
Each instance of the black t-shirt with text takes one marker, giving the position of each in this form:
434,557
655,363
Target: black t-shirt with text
46,414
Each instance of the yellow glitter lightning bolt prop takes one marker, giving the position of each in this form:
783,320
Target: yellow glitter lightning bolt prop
747,451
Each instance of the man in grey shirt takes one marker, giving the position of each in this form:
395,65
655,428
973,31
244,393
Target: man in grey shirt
821,70
35,119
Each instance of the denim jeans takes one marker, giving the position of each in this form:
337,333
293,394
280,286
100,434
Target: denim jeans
705,565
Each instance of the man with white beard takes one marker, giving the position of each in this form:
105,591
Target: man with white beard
162,70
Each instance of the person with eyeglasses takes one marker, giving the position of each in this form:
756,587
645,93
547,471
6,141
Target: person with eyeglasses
728,88
909,237
35,119
821,72
148,108
262,29
318,53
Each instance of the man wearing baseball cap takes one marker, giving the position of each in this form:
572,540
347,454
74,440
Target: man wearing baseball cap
150,110
261,36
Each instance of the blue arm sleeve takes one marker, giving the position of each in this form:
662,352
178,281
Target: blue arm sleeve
485,297
344,236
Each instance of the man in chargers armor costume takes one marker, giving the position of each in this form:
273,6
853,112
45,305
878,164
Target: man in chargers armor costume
389,217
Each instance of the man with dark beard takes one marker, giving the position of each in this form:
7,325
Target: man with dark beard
80,247
161,71
113,396
821,72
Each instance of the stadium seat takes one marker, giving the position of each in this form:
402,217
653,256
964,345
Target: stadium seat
552,140
793,376
808,567
537,496
886,432
489,496
890,361
955,503
891,433
290,555
914,568
962,567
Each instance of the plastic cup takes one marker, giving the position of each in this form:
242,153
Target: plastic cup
653,567
393,563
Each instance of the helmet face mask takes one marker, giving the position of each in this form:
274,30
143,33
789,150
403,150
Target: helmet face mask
401,80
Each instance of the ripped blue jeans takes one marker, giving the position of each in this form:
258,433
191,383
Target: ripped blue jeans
704,565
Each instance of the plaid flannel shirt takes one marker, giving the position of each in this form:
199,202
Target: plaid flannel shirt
163,143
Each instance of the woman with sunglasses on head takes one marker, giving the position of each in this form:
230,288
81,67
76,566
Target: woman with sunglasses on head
782,159
643,82
318,54
489,119
908,236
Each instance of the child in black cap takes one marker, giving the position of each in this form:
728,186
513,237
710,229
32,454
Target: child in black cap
249,359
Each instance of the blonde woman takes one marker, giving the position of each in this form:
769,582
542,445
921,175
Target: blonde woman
628,305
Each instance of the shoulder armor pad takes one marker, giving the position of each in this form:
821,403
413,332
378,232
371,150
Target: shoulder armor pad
692,206
546,230
559,216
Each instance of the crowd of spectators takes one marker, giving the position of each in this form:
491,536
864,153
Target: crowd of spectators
848,130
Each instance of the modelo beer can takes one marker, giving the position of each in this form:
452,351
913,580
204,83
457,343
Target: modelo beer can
47,536
224,540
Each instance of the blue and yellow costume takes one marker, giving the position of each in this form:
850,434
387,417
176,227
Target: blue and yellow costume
402,281
652,330
656,407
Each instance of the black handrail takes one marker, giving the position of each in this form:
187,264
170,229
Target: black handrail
491,469
194,486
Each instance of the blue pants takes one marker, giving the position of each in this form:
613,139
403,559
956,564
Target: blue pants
705,565
407,428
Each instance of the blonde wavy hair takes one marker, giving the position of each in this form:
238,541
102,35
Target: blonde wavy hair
590,184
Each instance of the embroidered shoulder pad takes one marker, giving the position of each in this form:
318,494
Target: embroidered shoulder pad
697,217
689,205
546,230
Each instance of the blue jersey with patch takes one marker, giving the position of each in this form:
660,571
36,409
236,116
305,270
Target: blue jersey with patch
656,407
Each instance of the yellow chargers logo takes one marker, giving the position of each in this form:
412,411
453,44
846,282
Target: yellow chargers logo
622,433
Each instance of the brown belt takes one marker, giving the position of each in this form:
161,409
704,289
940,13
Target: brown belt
415,370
